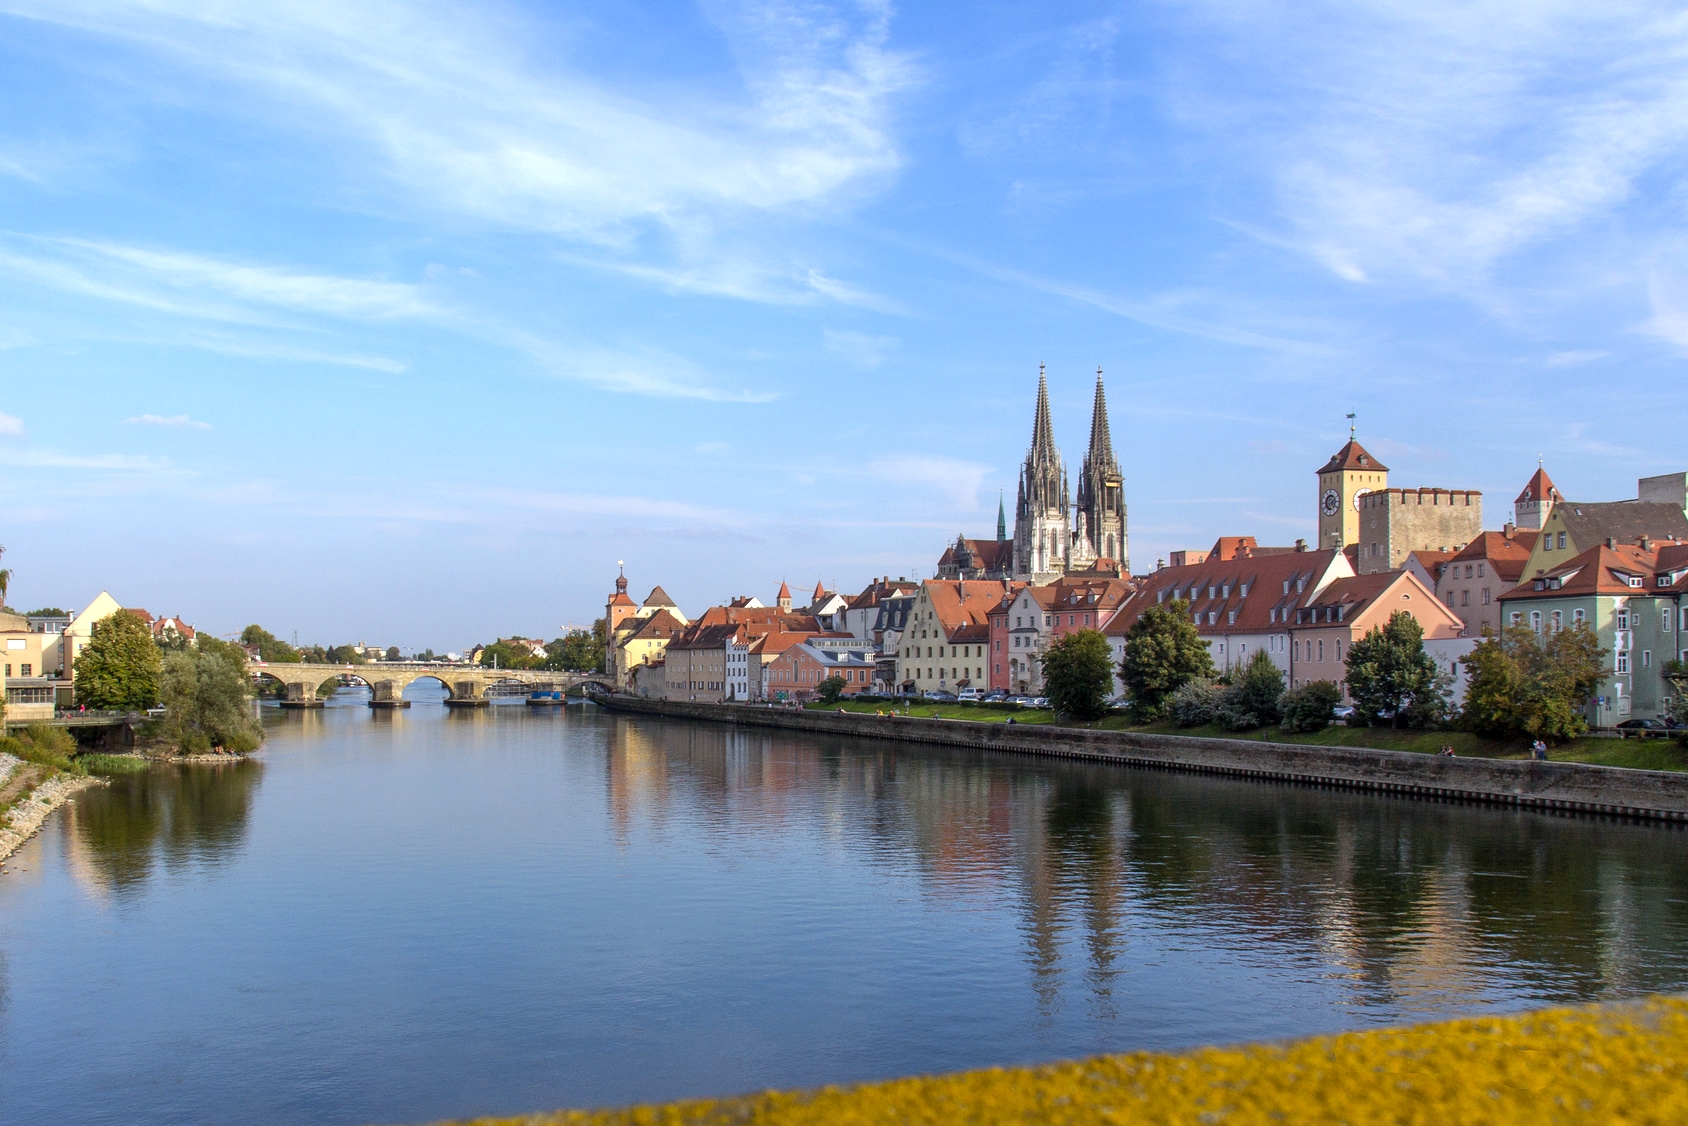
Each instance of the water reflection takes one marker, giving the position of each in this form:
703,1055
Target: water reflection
1420,909
173,815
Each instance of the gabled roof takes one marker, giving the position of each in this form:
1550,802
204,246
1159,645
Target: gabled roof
1100,595
785,593
700,636
1216,588
1237,547
959,603
1599,570
1622,520
139,613
1346,601
1538,487
1505,555
988,555
880,589
820,591
620,599
659,597
660,626
1353,456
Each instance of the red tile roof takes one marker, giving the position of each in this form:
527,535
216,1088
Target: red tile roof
961,603
1252,587
1506,555
1599,570
1353,456
1539,486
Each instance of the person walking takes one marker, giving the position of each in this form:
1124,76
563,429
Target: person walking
1538,751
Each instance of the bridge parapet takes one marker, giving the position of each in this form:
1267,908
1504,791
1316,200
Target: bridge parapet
466,685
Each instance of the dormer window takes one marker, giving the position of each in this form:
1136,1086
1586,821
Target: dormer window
1635,580
1286,586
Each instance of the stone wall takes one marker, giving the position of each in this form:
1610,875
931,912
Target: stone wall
1653,794
1399,521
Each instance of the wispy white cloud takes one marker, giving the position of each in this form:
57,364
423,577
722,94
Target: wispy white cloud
1434,140
174,421
1571,359
10,427
956,482
445,95
859,348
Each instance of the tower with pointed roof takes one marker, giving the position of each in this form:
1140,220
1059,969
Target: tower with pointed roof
1350,473
1101,492
1001,520
1042,539
1535,504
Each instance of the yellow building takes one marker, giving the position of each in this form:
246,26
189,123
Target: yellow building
638,635
1345,478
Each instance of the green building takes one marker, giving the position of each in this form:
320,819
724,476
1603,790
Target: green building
1635,598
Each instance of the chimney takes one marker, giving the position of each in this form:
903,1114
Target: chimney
1612,542
1646,544
1507,529
1301,545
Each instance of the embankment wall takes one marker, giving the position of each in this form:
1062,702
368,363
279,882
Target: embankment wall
1614,791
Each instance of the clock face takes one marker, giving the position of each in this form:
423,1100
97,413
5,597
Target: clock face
1357,497
1330,502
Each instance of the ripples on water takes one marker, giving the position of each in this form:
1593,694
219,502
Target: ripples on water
402,917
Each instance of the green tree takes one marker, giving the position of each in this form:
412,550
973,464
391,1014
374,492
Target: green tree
830,689
578,650
119,666
1078,674
270,647
48,612
345,655
501,654
207,694
1524,684
5,578
1253,700
1163,652
393,653
1392,679
1308,708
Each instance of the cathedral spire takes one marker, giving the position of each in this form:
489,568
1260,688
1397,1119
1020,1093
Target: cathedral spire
1001,519
1101,454
1043,430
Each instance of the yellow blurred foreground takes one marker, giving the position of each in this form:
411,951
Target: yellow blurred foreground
1619,1063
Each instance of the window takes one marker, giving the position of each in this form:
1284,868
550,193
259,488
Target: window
1485,596
1623,661
1535,620
1321,648
1465,598
1450,598
1558,621
1480,571
1664,621
1468,570
1576,617
1561,541
1339,649
26,670
1623,618
1646,658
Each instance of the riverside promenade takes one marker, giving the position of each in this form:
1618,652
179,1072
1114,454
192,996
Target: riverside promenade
1560,786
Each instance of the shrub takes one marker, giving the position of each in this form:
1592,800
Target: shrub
1523,685
207,702
43,746
1195,704
1257,690
1308,708
830,689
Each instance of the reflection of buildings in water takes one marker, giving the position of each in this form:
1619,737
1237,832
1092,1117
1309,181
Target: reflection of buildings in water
171,814
636,774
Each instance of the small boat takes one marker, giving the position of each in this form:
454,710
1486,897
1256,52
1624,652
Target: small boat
541,696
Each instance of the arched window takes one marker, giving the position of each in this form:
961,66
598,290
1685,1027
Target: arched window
1535,620
1557,621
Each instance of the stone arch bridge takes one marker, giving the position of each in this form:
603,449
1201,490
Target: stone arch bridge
387,680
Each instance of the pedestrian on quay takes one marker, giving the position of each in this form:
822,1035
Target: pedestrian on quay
1538,751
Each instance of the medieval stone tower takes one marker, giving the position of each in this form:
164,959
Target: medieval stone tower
1101,530
1042,540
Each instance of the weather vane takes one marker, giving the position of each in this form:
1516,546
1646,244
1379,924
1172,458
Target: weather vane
1350,426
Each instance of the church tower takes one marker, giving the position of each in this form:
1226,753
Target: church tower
1101,492
1042,541
1535,504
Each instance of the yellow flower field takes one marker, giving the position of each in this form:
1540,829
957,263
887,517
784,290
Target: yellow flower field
1620,1063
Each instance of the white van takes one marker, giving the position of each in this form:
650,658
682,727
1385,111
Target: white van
969,694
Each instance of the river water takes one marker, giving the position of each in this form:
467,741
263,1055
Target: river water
401,917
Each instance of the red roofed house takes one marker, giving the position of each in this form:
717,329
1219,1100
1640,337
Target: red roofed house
945,642
796,673
1326,626
1471,583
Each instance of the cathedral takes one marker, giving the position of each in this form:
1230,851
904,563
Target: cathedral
1052,536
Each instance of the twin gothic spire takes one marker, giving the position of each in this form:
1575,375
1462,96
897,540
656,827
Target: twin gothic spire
1045,542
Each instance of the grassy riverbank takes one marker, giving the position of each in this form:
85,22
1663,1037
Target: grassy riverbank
1641,754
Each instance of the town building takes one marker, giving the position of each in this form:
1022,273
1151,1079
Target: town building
1241,605
797,674
695,663
1028,620
976,560
944,642
1350,473
1324,627
1394,523
1471,583
1426,566
1573,527
1634,597
637,634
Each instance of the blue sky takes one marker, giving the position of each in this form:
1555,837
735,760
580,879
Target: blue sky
404,321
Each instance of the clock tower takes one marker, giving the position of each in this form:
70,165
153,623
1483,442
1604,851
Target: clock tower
1350,473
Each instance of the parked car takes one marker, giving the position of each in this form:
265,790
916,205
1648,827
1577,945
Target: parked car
969,694
1120,702
1040,702
1023,701
1643,728
939,696
995,696
1343,712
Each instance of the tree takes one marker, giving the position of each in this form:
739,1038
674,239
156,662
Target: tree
5,578
1391,678
1163,652
345,655
1523,684
1308,708
393,653
207,697
270,647
1078,673
501,654
578,650
119,666
830,689
1253,700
